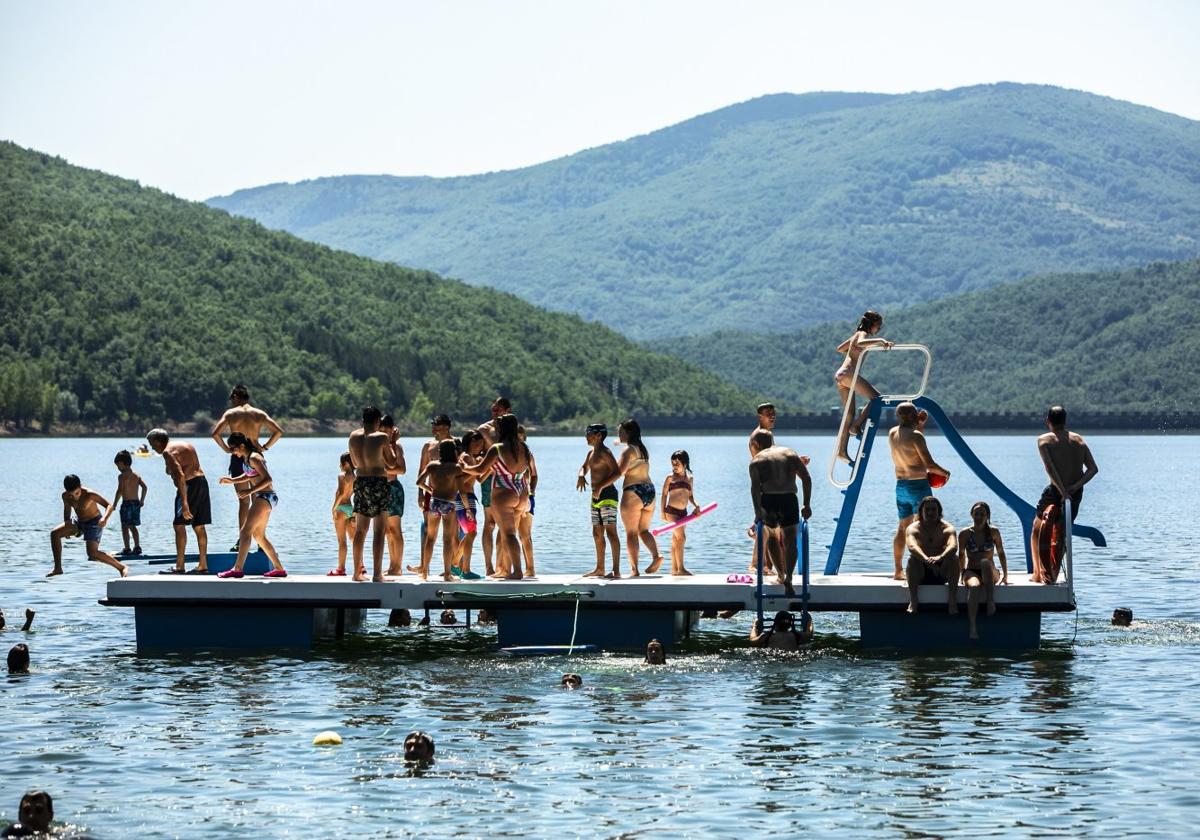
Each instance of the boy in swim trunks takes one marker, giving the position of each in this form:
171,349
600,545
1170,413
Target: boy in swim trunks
372,453
192,504
913,463
85,504
395,535
439,481
601,465
131,493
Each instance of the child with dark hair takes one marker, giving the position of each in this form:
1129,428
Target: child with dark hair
131,493
439,480
466,503
343,512
868,326
36,813
88,523
637,496
677,493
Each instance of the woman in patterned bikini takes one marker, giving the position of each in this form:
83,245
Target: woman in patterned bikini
507,462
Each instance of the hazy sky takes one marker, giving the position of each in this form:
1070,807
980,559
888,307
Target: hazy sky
202,98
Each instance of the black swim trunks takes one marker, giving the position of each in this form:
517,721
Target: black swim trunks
236,465
371,495
929,572
198,503
780,510
1051,496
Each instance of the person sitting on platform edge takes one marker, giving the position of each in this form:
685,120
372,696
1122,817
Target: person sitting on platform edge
773,474
910,454
976,545
783,634
933,554
1069,465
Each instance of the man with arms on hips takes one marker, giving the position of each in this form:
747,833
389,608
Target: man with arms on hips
910,454
242,417
773,474
192,505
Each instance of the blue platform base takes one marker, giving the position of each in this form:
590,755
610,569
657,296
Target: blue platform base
607,629
934,629
190,628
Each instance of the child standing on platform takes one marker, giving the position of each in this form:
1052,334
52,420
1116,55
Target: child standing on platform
131,493
677,494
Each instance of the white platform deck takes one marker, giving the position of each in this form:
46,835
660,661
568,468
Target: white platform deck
840,593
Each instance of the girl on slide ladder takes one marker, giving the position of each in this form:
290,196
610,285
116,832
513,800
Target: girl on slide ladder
868,326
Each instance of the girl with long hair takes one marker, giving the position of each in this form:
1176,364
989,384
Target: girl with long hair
637,496
864,336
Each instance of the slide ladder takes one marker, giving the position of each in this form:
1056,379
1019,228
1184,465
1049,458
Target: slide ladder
851,489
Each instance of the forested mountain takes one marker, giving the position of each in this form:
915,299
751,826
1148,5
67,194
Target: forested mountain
789,210
1127,340
123,303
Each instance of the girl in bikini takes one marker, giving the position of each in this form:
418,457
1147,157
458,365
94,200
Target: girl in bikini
637,498
343,513
868,326
254,483
976,545
507,462
466,504
677,494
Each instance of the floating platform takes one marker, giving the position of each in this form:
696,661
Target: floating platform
196,612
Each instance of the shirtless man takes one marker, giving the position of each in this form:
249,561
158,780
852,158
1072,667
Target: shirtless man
601,465
766,423
439,480
1069,465
395,509
913,463
500,406
192,505
773,474
932,554
86,505
373,453
250,421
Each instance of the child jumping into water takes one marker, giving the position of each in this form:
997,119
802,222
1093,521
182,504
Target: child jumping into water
88,523
343,513
677,493
868,326
131,493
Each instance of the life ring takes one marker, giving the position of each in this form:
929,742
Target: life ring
1050,545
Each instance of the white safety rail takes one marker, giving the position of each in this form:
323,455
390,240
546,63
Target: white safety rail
888,399
1068,560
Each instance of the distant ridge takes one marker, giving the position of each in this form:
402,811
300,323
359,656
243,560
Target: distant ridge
789,209
125,304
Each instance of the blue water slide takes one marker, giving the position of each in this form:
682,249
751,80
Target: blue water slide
1024,510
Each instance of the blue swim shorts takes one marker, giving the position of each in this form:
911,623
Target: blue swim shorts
909,493
90,529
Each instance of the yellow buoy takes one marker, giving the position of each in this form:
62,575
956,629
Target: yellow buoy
328,738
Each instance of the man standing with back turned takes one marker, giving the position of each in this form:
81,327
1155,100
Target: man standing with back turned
773,474
245,418
1069,465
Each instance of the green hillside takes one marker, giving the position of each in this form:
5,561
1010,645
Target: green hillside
789,210
1127,340
123,303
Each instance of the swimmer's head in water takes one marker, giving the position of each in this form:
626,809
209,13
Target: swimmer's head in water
448,617
484,617
418,747
158,439
1122,617
448,451
571,681
399,618
594,430
655,655
18,659
784,620
371,415
71,483
871,322
36,811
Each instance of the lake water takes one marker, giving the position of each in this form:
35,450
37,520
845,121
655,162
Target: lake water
1095,733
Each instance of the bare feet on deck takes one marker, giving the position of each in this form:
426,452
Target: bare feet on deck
447,576
596,572
397,572
515,576
416,569
360,575
57,570
898,575
655,565
613,576
682,573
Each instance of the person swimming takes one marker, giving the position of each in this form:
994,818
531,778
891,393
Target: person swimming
868,326
419,748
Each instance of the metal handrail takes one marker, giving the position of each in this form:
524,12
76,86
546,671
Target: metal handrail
885,398
758,542
804,594
1068,560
